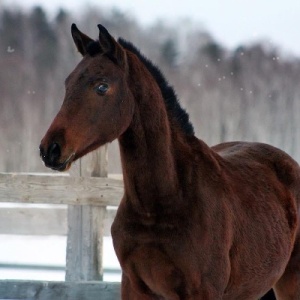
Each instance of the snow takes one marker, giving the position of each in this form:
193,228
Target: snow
44,250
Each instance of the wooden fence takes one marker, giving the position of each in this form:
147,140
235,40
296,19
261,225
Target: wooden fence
88,194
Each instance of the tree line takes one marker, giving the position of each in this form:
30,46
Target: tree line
249,93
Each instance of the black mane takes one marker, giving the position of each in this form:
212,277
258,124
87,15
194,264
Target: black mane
93,48
168,93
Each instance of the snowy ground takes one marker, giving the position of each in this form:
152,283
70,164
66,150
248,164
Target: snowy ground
44,250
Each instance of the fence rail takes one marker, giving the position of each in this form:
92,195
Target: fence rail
84,217
42,221
50,290
49,189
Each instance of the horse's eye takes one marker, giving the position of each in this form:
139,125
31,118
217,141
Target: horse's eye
102,88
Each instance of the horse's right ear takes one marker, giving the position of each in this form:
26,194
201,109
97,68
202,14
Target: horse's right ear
80,39
110,47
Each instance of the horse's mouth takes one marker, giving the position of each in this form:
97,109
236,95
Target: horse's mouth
65,165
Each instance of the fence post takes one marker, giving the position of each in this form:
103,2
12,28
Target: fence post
85,226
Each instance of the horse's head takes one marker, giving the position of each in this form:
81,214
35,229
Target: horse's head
98,105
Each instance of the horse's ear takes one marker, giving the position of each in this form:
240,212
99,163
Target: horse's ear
80,39
110,47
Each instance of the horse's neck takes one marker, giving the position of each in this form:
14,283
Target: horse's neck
147,151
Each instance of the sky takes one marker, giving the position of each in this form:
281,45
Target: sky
230,22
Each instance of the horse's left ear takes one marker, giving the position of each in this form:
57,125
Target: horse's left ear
80,39
111,47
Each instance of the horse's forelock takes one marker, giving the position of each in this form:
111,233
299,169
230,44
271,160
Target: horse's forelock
93,48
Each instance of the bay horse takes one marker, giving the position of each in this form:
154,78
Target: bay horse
195,222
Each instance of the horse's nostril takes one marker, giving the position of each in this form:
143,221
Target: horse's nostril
54,152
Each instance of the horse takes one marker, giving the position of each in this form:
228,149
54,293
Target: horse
195,222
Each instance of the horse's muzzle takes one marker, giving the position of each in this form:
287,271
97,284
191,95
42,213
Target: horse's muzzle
52,157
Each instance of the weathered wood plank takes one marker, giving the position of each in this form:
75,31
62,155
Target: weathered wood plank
95,164
42,221
85,227
84,243
50,290
47,189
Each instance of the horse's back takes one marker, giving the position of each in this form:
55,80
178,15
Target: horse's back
262,156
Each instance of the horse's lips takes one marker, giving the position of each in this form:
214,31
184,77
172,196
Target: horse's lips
65,165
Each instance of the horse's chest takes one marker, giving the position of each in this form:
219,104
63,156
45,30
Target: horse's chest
131,233
153,270
160,256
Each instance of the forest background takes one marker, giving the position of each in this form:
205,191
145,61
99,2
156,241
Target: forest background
250,93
